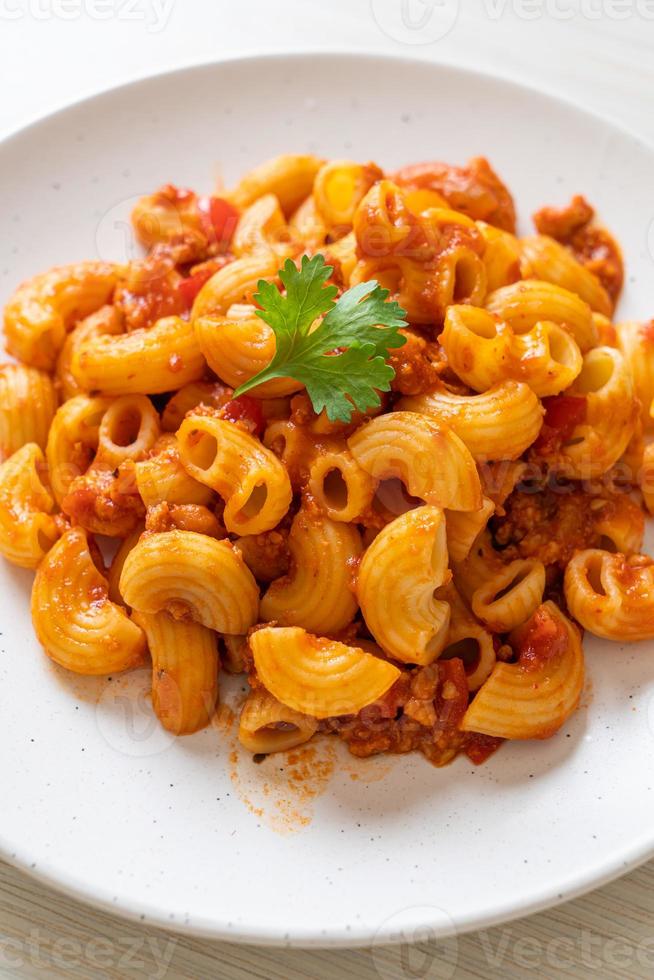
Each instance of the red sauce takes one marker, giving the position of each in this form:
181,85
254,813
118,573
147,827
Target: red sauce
218,219
246,410
563,413
475,189
542,638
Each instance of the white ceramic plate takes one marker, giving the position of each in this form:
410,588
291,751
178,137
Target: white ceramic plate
95,799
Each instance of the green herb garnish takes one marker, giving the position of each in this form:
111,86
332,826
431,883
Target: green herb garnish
342,362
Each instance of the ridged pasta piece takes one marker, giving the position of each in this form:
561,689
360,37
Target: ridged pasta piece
342,255
212,394
622,522
426,289
535,696
250,479
294,446
106,320
339,188
44,308
236,282
185,668
483,351
338,485
501,256
481,563
79,627
500,423
73,441
266,725
524,304
612,414
606,332
147,361
308,225
636,342
430,460
467,639
316,676
128,430
317,592
161,478
239,345
510,596
398,576
27,528
610,595
545,258
118,561
191,576
289,177
646,477
464,527
262,227
28,402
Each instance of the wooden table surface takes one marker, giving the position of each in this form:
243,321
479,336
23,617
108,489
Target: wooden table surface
599,53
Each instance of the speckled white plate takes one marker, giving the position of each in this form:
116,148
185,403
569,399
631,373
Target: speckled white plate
189,833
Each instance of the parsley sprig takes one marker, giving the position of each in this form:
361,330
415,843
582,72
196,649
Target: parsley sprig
342,361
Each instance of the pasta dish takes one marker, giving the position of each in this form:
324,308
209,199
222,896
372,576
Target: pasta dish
343,431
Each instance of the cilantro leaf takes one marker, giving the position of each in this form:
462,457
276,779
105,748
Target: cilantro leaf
341,361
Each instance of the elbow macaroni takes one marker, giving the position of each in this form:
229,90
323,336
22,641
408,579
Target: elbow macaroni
430,460
316,594
28,402
400,572
191,576
184,671
383,578
484,351
27,528
250,479
76,622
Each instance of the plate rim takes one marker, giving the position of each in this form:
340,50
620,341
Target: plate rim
152,915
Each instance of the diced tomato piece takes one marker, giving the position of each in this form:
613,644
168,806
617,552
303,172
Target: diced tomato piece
480,747
247,410
541,639
189,288
218,218
563,413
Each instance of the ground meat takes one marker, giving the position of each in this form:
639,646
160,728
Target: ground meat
549,523
422,711
418,364
563,223
597,249
475,189
150,291
541,639
105,501
267,555
184,517
591,244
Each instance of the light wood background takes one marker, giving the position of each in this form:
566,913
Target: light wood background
609,933
599,53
